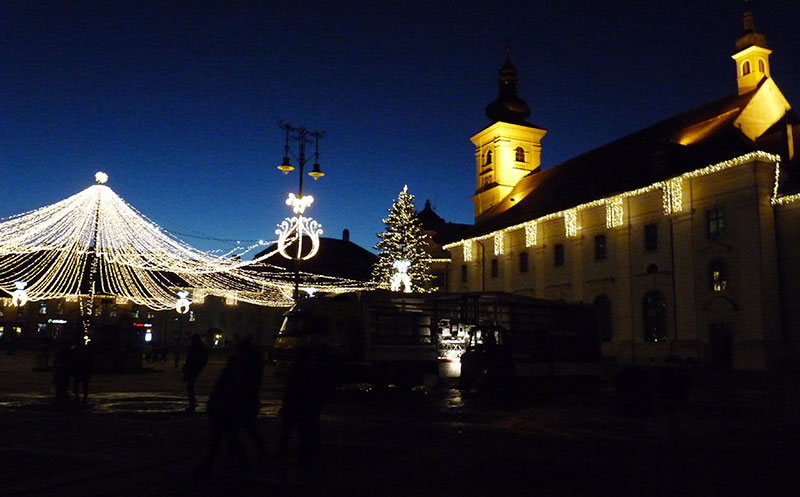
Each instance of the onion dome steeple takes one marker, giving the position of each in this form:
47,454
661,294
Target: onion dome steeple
752,56
508,107
750,36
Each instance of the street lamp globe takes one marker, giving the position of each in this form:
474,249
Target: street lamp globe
316,173
285,166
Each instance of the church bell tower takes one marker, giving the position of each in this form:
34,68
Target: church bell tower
752,56
509,148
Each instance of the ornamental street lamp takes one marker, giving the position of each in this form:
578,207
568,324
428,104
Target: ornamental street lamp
293,229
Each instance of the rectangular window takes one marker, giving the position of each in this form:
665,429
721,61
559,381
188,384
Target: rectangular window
651,237
523,262
558,254
463,273
495,268
715,223
600,247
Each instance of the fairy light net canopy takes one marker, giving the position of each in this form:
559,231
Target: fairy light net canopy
96,243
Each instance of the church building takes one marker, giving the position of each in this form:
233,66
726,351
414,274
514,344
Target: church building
683,235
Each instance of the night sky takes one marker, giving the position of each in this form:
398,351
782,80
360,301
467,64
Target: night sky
180,103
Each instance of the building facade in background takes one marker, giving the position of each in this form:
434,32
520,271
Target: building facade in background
683,235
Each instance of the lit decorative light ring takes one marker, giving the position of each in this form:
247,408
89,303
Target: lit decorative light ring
293,230
182,304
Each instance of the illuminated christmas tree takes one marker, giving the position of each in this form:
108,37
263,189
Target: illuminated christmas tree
403,240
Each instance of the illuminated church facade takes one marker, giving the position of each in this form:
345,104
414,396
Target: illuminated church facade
683,235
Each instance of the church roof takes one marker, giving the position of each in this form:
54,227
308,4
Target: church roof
691,140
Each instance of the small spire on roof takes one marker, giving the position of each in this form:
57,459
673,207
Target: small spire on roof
508,107
750,36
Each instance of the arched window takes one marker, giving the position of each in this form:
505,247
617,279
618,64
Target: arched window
746,68
762,68
602,306
520,157
654,314
488,158
718,273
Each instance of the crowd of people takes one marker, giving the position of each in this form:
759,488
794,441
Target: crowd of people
234,400
234,403
73,363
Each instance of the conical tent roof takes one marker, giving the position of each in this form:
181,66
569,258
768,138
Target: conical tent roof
96,243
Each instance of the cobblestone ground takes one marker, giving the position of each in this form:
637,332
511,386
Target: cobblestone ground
731,437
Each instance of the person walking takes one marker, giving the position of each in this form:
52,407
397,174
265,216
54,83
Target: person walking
234,404
308,385
82,365
62,365
196,359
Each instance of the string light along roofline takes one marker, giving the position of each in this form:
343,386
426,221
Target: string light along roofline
672,196
54,248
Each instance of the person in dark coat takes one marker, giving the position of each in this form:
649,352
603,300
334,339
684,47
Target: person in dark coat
62,365
308,385
233,405
196,359
82,362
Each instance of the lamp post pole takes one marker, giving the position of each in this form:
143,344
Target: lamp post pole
302,137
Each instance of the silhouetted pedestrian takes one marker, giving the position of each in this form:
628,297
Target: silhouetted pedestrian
44,352
82,363
234,403
62,365
250,367
308,385
196,359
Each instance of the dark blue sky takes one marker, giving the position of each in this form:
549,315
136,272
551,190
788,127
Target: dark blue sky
180,103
